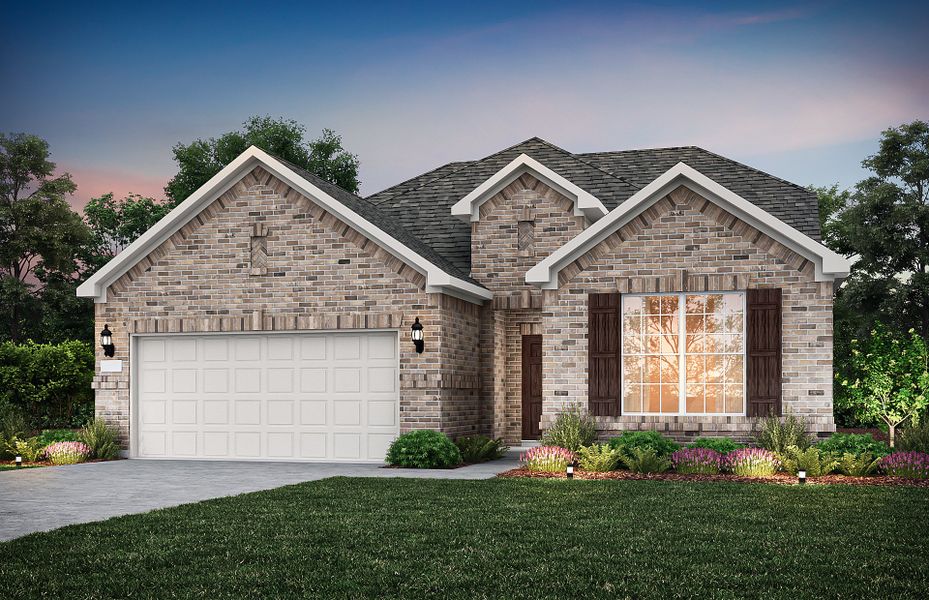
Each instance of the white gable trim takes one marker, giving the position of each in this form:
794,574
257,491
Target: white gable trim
585,203
829,265
437,280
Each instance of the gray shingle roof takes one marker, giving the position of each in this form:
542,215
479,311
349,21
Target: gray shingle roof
422,205
384,221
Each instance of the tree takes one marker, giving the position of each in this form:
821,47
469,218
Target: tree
885,224
114,224
40,236
284,138
888,378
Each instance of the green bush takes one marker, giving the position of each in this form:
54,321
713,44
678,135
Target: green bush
853,443
572,429
50,436
645,460
858,465
480,448
101,438
752,462
598,457
915,438
644,440
30,449
723,445
776,434
423,449
12,426
811,460
49,383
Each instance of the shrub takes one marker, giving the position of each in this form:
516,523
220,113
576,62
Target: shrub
423,449
50,436
645,460
858,465
752,462
915,438
50,383
598,457
853,443
480,448
12,426
723,445
644,440
913,465
547,459
702,461
67,453
811,460
572,429
776,433
31,449
101,438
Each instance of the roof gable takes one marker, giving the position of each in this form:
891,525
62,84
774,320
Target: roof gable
441,275
829,265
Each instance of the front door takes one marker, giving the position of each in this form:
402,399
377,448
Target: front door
532,386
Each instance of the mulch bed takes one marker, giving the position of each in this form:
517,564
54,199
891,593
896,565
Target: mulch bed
780,478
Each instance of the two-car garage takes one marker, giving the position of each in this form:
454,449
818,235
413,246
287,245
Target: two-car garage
286,396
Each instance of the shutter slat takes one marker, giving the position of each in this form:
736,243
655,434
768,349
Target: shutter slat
604,349
763,355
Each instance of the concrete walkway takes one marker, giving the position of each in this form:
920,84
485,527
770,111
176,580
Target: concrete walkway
51,497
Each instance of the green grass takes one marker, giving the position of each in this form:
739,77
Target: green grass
13,467
408,538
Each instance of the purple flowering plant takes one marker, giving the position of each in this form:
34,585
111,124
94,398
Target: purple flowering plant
700,461
546,459
67,453
752,462
913,465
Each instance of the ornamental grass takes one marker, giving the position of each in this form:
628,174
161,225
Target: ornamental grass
699,461
547,459
752,462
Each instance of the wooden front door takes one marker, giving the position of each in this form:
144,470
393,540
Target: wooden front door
532,386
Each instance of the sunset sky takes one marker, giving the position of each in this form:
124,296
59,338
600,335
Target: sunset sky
801,90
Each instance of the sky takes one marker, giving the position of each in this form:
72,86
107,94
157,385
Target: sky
801,90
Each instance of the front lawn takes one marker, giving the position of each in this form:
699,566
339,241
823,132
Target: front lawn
501,538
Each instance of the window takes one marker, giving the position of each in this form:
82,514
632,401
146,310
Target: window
683,353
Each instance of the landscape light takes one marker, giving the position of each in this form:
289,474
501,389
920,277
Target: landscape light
801,476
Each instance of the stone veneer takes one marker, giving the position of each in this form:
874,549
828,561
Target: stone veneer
321,275
686,243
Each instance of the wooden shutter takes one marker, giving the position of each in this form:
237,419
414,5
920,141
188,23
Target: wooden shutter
763,355
604,354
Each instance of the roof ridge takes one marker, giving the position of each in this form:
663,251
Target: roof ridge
588,163
750,168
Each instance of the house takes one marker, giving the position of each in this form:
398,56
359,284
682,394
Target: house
269,315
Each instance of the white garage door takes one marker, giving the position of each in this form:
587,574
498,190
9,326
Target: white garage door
278,396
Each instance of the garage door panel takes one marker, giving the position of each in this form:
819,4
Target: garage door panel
300,396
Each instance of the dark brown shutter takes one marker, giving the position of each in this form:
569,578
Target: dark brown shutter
604,354
763,369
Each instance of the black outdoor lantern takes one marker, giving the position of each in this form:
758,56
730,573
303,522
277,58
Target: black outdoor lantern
106,340
417,336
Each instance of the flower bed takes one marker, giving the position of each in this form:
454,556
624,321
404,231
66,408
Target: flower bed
778,478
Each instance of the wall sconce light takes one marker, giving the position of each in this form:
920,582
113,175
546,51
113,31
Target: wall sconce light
106,341
801,476
416,334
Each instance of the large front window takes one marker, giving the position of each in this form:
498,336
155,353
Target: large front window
703,375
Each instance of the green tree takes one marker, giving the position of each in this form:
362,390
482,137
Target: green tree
115,224
887,379
40,236
284,138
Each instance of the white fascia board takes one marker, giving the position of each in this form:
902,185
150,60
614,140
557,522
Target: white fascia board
96,285
829,265
585,203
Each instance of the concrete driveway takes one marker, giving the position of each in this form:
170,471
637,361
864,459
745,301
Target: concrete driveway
47,498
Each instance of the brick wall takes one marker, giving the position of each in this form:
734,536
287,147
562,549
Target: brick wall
320,275
686,243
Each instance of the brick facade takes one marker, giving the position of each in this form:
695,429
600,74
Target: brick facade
320,275
686,243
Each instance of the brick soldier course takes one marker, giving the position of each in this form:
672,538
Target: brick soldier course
263,256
